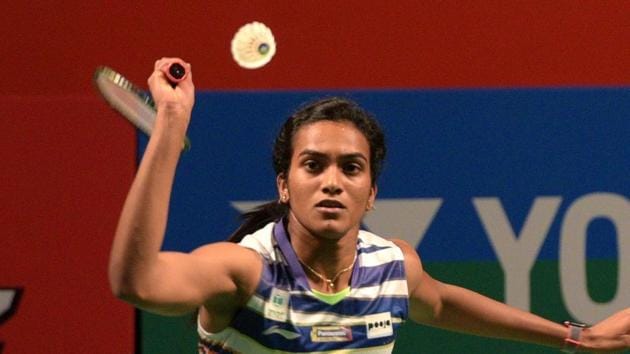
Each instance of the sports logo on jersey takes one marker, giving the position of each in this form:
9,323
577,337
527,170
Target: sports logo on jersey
379,325
278,306
283,332
331,334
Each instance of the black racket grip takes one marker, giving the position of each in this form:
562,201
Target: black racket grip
175,72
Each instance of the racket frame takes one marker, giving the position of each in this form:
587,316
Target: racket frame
115,88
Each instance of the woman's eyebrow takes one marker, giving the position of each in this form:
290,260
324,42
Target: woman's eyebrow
309,152
315,153
356,155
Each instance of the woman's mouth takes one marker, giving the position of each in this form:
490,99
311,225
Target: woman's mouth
330,205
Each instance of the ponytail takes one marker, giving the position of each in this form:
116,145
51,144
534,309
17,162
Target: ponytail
259,217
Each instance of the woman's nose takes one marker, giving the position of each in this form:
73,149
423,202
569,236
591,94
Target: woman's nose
331,181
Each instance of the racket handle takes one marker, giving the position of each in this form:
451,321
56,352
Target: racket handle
175,72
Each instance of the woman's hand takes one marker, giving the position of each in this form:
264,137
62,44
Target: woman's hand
173,103
608,336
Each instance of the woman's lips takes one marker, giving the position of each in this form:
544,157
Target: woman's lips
330,206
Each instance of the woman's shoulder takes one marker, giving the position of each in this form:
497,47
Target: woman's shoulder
371,243
370,238
403,249
261,240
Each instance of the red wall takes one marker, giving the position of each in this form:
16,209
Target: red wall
67,160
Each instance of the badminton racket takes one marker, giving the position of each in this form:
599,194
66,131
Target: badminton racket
130,101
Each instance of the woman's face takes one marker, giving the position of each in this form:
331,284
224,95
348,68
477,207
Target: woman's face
329,185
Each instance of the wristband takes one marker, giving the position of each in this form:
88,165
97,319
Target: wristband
572,341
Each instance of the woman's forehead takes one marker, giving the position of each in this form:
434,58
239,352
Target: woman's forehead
340,137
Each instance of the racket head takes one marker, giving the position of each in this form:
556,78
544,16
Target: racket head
127,99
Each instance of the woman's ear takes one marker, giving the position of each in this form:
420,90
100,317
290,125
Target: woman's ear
371,198
283,188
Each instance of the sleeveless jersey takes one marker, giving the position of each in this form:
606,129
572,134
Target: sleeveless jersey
285,316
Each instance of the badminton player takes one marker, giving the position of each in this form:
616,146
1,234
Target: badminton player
303,277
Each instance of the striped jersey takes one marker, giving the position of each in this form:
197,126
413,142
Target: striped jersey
285,316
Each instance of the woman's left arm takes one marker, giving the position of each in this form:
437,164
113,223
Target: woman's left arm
455,308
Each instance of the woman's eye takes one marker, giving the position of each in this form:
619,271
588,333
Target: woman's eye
311,165
352,168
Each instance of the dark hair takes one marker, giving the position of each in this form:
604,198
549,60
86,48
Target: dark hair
331,109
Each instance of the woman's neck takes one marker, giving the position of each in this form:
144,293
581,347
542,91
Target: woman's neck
324,257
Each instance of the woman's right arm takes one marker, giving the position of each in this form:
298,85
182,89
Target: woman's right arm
170,282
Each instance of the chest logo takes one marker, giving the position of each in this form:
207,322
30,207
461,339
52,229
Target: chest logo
283,332
278,306
331,334
379,325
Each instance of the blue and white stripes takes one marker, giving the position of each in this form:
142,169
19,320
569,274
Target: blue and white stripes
285,316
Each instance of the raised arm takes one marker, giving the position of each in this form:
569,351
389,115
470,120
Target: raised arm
454,308
170,282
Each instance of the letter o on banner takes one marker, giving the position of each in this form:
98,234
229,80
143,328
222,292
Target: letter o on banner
573,278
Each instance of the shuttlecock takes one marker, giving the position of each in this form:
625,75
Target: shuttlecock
253,45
